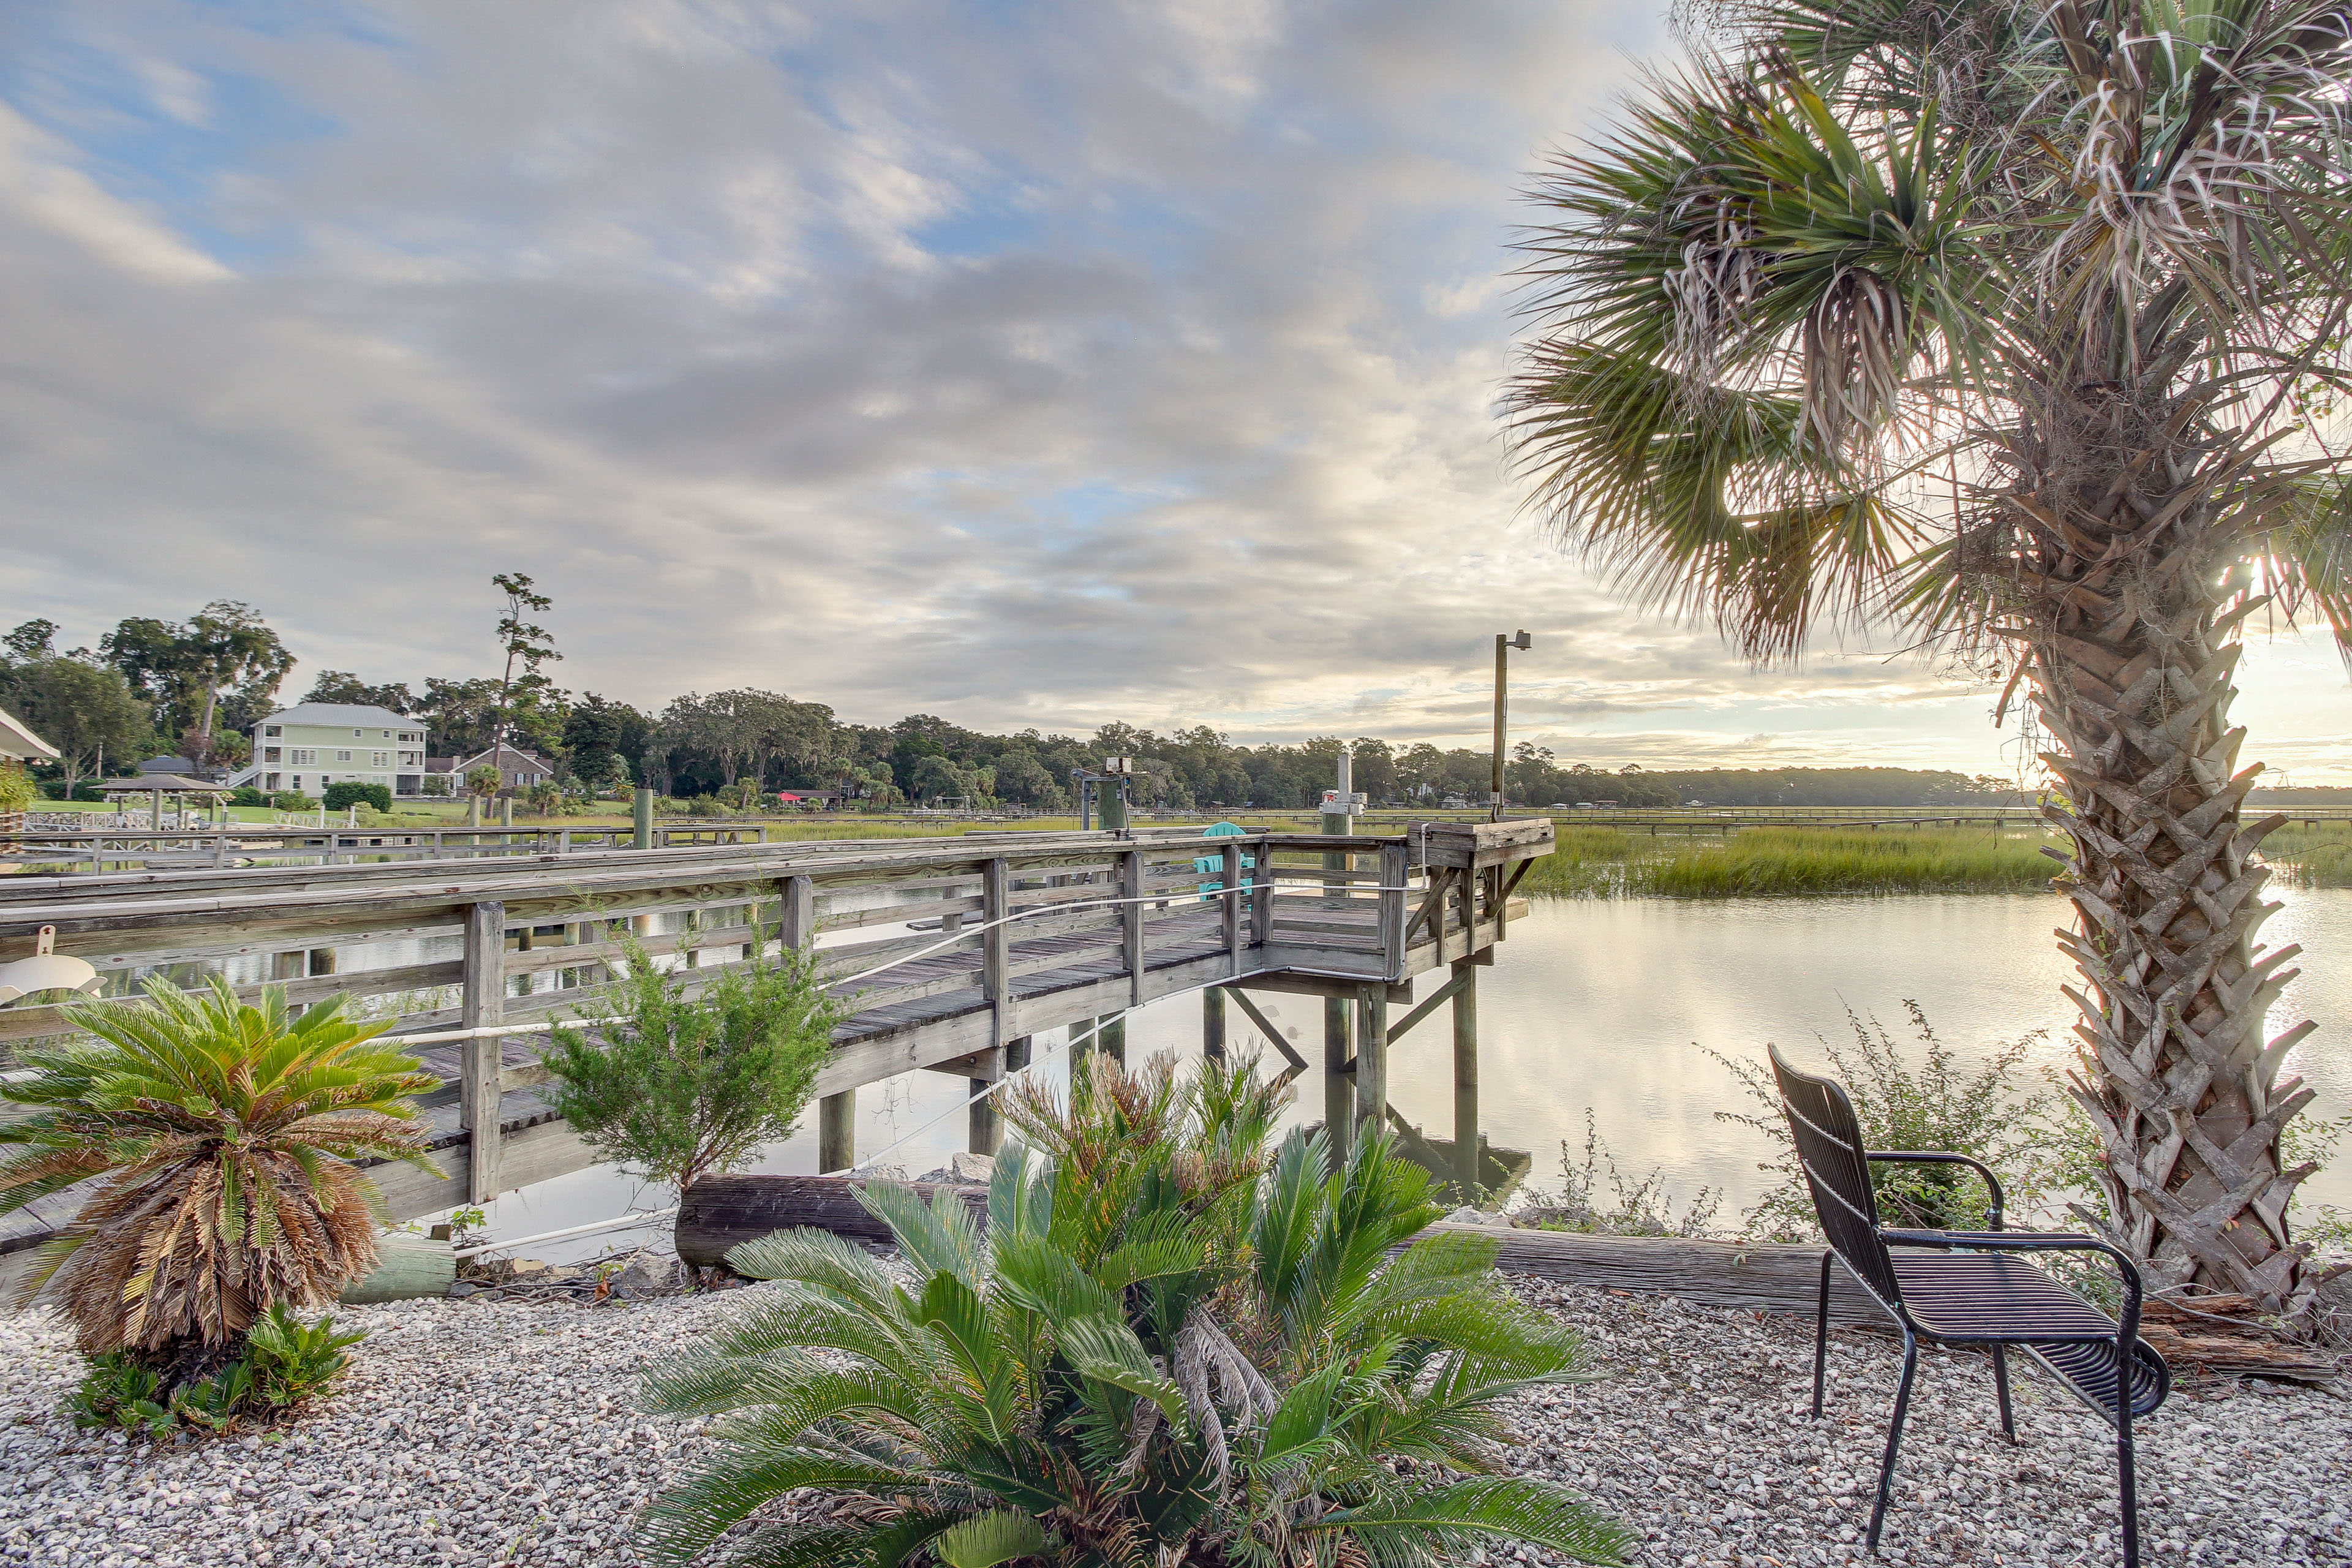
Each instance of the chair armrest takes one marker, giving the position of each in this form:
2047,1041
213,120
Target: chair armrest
1929,1157
2036,1241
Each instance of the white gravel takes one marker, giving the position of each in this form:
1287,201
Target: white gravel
472,1431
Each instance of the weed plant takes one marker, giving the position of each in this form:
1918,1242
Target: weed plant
1628,1208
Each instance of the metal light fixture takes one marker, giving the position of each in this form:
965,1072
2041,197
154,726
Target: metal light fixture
1503,646
45,970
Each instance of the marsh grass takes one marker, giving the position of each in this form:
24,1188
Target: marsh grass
1768,861
2314,856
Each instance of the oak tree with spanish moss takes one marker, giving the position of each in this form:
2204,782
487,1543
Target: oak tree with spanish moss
2017,327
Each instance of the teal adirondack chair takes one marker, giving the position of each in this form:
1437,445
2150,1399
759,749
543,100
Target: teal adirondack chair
1216,863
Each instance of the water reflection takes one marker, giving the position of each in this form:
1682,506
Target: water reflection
1606,1003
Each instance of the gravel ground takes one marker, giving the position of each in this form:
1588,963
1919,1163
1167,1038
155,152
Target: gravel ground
480,1432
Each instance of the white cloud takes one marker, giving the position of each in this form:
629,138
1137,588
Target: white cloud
1089,361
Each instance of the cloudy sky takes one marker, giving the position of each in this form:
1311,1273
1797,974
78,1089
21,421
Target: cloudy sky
1028,364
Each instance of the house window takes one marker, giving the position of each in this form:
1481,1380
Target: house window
387,734
298,756
344,756
379,759
355,734
273,731
269,755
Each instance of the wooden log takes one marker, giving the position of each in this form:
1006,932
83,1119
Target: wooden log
720,1212
1765,1277
408,1267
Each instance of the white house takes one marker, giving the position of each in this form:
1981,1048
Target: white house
311,745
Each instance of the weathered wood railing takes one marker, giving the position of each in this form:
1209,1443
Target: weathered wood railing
242,846
1022,933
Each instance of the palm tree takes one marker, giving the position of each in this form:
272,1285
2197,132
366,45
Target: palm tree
223,1136
2020,326
1160,1352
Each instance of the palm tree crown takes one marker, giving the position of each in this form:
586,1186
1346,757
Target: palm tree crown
2017,327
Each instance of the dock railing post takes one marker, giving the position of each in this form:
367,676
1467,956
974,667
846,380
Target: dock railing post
641,815
1229,894
481,1059
1393,872
996,950
1130,893
1262,895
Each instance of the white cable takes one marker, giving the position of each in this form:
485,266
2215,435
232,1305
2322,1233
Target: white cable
619,1221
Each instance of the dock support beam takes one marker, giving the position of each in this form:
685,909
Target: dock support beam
1111,1037
1213,1023
836,1138
481,1060
1467,1173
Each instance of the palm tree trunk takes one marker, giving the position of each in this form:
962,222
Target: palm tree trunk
2119,516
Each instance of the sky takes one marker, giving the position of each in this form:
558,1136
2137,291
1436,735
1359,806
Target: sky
1040,365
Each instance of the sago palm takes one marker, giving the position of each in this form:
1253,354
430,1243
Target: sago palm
1158,1353
222,1135
2019,327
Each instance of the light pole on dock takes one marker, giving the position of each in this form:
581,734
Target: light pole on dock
1502,647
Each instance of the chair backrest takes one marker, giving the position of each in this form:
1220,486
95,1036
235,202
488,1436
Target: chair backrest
1829,1145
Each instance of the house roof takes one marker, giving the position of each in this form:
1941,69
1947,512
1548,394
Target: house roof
170,784
345,716
168,765
505,756
17,739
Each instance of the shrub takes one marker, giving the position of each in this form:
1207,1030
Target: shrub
350,793
1161,1351
292,800
221,1135
246,794
284,1363
682,1087
1901,1106
18,790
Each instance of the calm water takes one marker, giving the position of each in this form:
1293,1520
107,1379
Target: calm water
1607,1003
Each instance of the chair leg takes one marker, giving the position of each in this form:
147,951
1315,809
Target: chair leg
2001,1391
1821,1334
1893,1436
2126,1477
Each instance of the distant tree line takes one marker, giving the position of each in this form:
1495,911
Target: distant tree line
195,685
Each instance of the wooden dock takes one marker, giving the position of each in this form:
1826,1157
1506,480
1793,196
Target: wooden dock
1033,932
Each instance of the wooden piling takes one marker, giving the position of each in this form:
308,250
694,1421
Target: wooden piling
1465,1079
1213,1023
836,1137
1371,1077
1338,1093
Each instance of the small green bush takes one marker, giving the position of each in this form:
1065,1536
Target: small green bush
285,1361
292,800
246,794
16,788
687,1087
55,789
351,792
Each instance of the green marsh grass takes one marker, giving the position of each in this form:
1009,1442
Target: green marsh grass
1762,862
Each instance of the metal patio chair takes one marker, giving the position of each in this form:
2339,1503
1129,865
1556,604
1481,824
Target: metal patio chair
1960,1288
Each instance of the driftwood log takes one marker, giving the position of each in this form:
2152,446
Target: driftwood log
720,1212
